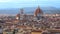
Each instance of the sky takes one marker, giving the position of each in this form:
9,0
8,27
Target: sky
28,3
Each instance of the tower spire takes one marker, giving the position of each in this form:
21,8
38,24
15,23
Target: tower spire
38,6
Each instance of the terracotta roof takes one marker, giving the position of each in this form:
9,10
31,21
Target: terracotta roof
17,15
21,26
36,30
54,30
38,10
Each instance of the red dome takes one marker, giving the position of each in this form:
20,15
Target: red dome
18,15
38,11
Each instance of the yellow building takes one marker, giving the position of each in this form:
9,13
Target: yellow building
36,32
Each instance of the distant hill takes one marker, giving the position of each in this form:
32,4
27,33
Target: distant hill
30,10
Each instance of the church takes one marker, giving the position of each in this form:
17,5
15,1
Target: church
24,17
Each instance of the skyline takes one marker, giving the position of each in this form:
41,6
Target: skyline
28,3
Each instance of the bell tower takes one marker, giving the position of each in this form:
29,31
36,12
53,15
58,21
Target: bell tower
21,14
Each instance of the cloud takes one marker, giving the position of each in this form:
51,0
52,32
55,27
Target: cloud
25,0
18,0
5,0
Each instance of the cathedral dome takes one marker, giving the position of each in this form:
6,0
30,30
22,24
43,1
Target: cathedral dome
38,11
17,15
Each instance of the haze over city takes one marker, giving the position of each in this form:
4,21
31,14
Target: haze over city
29,16
13,6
